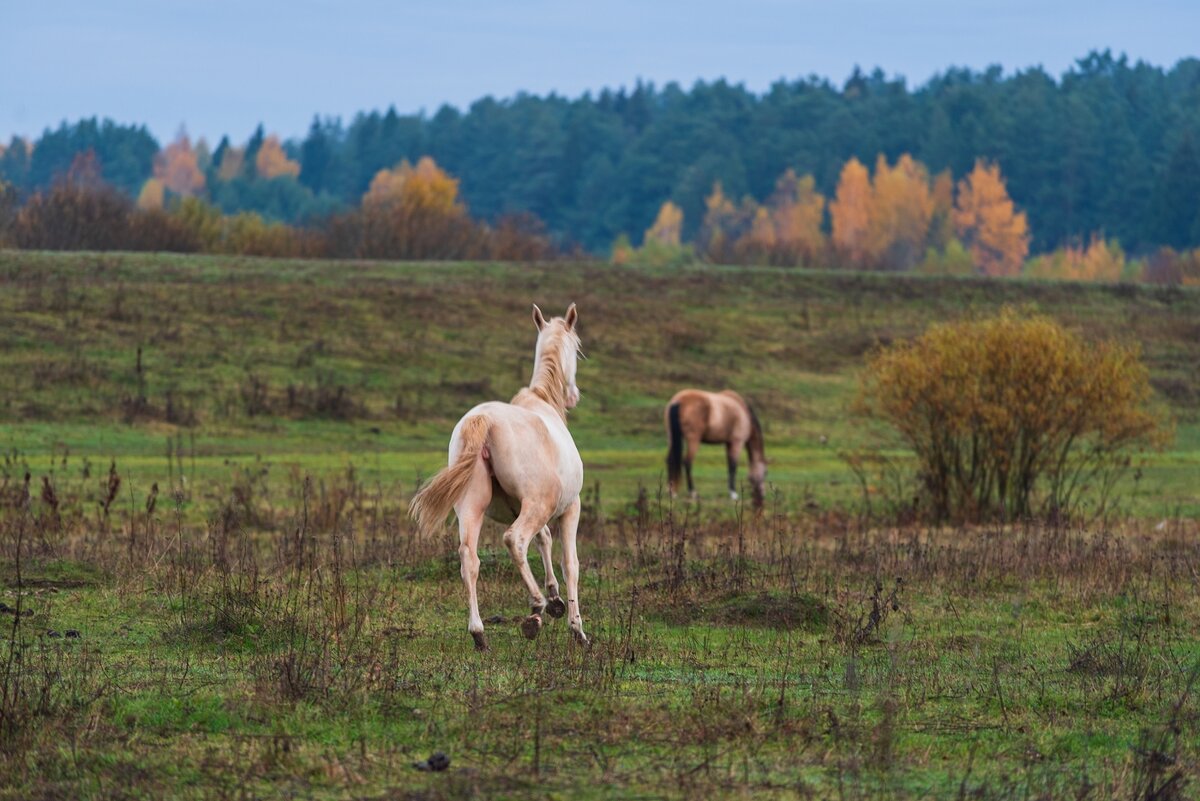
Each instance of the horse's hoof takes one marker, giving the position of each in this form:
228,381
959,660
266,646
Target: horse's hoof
556,607
581,638
531,626
733,496
481,643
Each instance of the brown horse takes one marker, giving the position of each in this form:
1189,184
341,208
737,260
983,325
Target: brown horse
694,416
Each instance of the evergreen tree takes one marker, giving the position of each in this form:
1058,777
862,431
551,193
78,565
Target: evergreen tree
1177,202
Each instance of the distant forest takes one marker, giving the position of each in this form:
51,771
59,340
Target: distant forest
1112,148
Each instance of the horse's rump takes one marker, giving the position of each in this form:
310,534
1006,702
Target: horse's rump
435,500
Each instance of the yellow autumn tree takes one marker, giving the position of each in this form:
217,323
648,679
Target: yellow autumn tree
900,211
757,244
152,196
622,251
411,211
797,210
1099,260
272,162
850,213
668,226
426,187
176,167
724,226
995,233
941,224
662,244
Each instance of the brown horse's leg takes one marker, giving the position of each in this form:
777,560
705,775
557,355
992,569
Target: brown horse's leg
693,445
732,449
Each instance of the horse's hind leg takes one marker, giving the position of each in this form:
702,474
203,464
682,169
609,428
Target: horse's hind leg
470,510
517,538
554,602
570,525
693,445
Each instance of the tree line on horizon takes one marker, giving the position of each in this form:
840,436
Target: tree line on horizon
898,219
1108,153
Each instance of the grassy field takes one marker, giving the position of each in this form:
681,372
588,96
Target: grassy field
266,624
317,366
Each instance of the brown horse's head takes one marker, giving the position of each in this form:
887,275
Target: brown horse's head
758,458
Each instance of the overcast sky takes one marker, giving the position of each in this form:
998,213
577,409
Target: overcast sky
222,66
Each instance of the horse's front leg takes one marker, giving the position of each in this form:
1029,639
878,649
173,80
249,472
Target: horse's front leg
732,449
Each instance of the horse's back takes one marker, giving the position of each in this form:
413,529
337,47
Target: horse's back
715,416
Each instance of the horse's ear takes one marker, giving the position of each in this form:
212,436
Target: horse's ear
538,319
571,317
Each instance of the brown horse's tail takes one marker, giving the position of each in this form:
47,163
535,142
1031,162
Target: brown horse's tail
434,501
674,445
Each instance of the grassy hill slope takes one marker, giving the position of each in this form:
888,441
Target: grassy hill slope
320,365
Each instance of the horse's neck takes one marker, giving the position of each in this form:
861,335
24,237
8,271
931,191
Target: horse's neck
533,400
754,445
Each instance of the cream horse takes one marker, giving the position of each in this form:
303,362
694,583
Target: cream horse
517,464
694,416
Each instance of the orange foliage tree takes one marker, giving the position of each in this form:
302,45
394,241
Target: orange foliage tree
272,162
850,213
724,226
425,187
900,211
796,212
152,195
668,226
941,224
995,233
409,212
757,245
176,167
1099,260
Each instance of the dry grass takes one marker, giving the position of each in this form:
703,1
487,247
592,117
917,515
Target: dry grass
312,642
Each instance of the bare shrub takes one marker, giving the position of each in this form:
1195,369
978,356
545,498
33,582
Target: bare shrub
74,217
404,231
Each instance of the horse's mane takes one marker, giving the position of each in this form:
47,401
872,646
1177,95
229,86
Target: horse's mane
549,376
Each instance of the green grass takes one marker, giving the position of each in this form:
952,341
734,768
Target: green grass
1034,671
272,627
413,346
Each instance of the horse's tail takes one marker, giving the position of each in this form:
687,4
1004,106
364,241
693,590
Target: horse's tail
674,444
434,501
